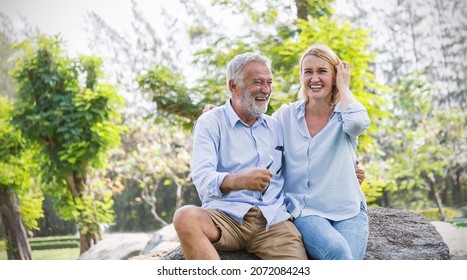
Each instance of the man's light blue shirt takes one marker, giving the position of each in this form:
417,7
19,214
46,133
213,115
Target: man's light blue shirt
319,171
223,144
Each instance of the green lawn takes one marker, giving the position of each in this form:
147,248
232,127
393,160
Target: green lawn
50,254
56,254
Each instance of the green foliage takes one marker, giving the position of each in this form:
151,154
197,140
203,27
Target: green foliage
156,159
132,214
55,242
75,125
172,97
432,214
52,224
458,223
421,143
66,109
319,8
89,210
12,160
16,165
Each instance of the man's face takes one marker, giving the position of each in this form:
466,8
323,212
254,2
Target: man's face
254,96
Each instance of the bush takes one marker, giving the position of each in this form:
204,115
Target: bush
54,245
54,242
459,223
432,214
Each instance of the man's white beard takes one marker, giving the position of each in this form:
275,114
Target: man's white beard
248,103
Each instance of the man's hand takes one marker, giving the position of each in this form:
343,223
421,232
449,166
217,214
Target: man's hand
360,172
256,179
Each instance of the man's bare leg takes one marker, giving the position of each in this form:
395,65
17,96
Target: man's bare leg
196,232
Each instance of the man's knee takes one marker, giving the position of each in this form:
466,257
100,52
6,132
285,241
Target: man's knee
183,216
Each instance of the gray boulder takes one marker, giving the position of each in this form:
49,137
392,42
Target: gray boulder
161,240
394,235
403,235
117,246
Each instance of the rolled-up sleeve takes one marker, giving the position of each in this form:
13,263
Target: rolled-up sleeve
355,119
205,160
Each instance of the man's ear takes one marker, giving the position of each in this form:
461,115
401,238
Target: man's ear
232,86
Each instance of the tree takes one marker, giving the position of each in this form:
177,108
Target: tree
20,196
6,84
19,201
127,56
64,107
421,56
157,159
417,152
424,37
8,34
153,155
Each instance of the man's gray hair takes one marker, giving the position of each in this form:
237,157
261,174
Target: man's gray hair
235,67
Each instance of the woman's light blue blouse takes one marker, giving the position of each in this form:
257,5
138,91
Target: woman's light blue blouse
319,172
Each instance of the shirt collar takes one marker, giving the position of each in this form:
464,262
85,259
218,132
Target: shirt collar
234,118
300,108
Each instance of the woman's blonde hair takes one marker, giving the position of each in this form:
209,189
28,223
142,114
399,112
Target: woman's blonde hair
327,54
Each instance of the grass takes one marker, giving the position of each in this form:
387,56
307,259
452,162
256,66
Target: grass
50,254
56,254
459,222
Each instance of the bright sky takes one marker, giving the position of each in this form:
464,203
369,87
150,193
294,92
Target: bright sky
67,17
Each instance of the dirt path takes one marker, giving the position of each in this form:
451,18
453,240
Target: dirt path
455,238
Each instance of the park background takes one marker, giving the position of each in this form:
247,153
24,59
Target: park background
95,123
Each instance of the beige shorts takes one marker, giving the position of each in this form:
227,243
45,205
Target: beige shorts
282,241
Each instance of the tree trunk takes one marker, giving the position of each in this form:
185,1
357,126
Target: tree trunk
438,200
87,240
76,185
302,11
18,247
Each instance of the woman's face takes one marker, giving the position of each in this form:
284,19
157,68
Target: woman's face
317,77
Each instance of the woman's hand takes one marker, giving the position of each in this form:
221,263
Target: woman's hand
360,172
343,76
343,84
208,108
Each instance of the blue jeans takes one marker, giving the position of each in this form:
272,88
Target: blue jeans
334,240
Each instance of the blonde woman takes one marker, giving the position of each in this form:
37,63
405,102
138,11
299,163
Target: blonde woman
321,133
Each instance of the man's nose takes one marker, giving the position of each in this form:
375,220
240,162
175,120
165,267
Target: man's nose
265,87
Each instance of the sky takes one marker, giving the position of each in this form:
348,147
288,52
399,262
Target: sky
67,17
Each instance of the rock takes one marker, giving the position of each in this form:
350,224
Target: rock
117,246
394,235
165,234
161,251
403,235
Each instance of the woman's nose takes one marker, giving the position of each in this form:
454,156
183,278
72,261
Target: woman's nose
314,77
